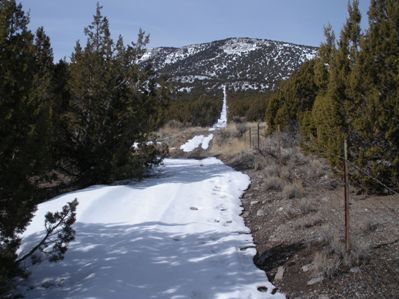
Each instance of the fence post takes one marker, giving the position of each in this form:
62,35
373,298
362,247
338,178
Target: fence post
250,138
279,149
346,196
258,135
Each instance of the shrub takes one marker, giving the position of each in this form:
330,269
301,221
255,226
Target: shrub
273,183
294,190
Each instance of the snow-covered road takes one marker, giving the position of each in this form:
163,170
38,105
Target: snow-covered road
176,235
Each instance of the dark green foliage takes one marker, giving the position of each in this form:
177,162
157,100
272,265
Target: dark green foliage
250,105
196,109
59,233
25,62
113,104
354,97
79,120
292,98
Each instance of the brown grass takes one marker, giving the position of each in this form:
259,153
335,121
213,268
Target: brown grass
273,183
294,190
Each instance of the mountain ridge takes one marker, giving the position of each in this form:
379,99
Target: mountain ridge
242,63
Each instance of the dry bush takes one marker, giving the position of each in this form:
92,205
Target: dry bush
241,128
294,190
174,124
273,183
286,173
316,169
325,264
290,212
228,146
370,227
260,162
307,206
271,171
287,154
359,253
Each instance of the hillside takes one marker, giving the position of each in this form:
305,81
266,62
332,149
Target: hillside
242,63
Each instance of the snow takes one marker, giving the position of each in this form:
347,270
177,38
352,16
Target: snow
178,234
197,141
203,141
222,121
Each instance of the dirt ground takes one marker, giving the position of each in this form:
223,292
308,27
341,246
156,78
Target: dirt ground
295,210
289,239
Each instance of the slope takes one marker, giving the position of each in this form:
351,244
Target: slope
242,63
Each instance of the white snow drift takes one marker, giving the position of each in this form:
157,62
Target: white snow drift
203,141
197,141
222,121
176,235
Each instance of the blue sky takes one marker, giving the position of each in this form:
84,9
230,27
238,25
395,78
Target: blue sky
183,22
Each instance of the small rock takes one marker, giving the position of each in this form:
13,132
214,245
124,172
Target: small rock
355,270
306,268
280,209
279,274
262,289
254,202
324,297
194,208
274,291
315,280
260,213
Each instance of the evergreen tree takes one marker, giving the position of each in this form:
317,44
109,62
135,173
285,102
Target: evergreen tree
375,115
20,146
25,130
114,103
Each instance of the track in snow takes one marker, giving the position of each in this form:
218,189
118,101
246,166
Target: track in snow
176,235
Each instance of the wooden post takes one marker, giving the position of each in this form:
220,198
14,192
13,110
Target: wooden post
346,196
258,135
279,149
250,138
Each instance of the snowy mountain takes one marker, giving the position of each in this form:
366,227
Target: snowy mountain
242,63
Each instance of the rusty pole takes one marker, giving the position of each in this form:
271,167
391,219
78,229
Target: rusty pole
346,195
279,149
250,138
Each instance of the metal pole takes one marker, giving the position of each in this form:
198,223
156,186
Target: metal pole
250,138
279,149
346,190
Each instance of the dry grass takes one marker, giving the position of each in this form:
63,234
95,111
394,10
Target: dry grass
358,254
273,183
307,206
231,146
294,190
271,171
325,265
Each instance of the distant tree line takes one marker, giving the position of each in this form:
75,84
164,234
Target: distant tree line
249,105
68,121
350,91
197,108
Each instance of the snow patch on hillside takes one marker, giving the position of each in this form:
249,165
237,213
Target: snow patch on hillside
238,47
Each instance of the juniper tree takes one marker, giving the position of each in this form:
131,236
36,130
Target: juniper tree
25,130
376,111
114,103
